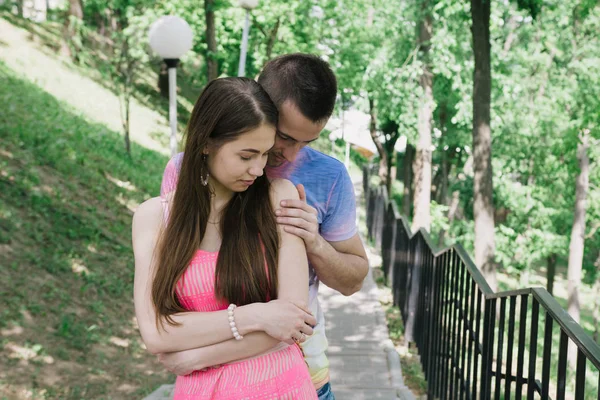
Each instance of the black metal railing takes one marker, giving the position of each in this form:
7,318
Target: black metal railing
474,343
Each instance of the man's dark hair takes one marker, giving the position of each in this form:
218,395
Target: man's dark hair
304,79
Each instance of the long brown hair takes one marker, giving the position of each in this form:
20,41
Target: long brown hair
246,270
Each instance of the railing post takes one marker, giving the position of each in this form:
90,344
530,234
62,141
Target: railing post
489,320
400,266
388,248
371,212
415,261
366,188
380,207
366,178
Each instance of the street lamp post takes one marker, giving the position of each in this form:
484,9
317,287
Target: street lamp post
248,5
171,37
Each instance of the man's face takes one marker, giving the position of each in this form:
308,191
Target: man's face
293,133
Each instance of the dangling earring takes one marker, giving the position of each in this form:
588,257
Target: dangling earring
203,177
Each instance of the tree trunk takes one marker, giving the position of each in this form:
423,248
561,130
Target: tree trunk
75,11
483,207
407,195
389,147
272,39
20,8
442,190
211,40
383,158
550,273
126,99
422,172
389,176
453,211
596,314
447,155
577,235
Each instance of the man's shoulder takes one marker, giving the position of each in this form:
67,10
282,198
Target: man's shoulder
314,159
176,160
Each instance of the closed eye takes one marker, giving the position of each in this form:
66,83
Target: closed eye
284,136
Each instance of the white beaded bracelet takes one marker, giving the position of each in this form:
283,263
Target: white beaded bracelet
234,330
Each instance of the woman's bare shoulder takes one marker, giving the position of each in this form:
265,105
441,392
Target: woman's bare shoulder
283,189
148,215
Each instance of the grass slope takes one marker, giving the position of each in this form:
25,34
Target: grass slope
67,191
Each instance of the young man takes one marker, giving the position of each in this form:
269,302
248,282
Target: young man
304,89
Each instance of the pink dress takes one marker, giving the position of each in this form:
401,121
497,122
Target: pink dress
280,374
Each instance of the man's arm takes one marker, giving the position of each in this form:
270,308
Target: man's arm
341,265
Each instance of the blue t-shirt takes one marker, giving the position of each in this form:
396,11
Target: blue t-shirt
328,188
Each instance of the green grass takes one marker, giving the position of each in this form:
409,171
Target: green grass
93,63
413,375
67,191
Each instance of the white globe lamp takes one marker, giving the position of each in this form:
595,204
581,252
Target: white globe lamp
171,37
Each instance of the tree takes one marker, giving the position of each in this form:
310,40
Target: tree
422,163
71,24
211,40
578,231
390,130
483,207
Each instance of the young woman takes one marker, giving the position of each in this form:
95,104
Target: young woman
213,271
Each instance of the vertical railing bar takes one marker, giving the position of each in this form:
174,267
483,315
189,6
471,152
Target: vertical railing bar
521,349
580,373
452,352
441,336
500,347
478,353
580,376
490,353
464,289
598,385
472,338
546,356
447,332
457,324
533,348
423,310
562,366
433,330
510,344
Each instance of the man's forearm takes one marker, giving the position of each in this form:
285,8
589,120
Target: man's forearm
340,271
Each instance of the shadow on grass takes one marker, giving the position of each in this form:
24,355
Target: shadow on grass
67,191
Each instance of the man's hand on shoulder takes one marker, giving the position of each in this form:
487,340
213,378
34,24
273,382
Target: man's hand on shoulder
300,219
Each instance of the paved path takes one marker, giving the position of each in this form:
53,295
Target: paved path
364,363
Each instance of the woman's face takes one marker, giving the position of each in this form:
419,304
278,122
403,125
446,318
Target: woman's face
236,164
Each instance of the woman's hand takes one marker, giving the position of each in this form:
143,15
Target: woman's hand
286,321
182,362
